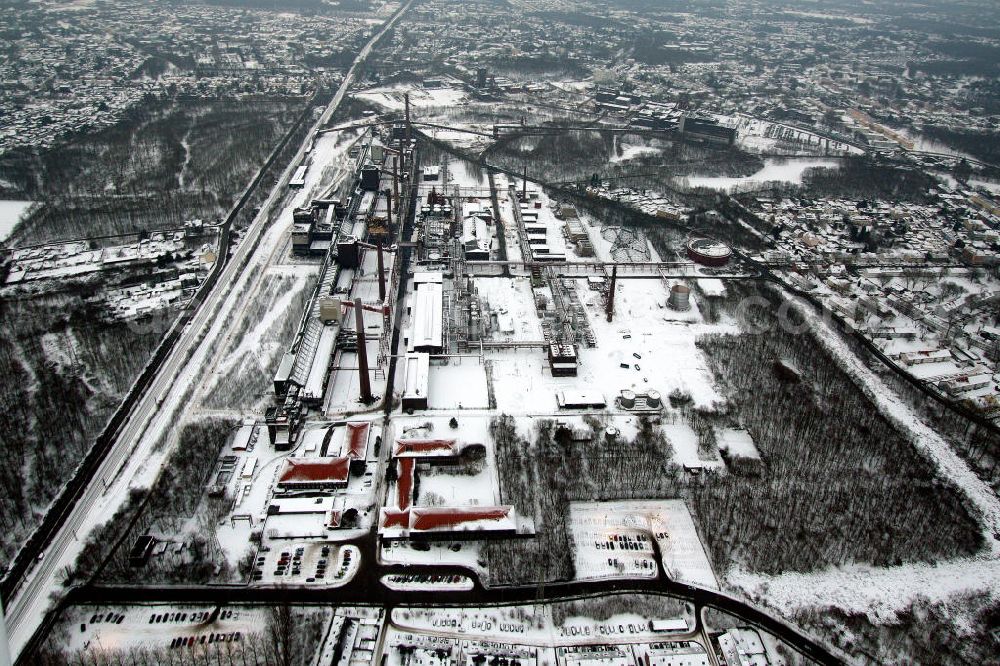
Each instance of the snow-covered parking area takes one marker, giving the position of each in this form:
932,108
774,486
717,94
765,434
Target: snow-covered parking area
306,563
615,540
110,628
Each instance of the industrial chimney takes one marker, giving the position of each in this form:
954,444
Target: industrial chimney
363,377
611,293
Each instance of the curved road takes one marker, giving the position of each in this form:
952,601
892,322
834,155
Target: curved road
156,409
366,589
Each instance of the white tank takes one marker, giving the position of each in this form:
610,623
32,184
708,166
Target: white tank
627,399
680,297
653,398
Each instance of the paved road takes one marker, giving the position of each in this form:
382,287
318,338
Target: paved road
365,589
156,410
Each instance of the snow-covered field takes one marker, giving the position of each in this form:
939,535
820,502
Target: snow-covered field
737,443
459,383
879,593
784,171
392,98
648,346
684,441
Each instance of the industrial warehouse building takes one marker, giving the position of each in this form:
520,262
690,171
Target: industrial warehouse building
426,314
416,382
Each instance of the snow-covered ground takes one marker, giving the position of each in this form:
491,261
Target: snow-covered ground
737,443
459,383
630,152
511,307
392,98
774,170
684,441
879,593
11,212
648,346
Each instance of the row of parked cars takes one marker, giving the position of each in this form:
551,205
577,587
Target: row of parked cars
206,639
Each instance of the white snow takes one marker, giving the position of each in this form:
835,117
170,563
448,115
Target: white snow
737,443
712,286
458,384
11,212
788,171
684,441
630,152
878,593
392,98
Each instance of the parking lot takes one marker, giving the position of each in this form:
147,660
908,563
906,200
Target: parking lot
305,563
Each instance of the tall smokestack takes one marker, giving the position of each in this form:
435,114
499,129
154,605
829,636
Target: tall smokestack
611,293
363,377
381,275
395,174
524,184
388,217
409,129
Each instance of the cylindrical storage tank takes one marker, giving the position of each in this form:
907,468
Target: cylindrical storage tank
708,252
437,209
653,398
447,210
680,297
627,399
425,210
610,434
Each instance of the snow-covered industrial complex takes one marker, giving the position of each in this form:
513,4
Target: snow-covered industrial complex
425,333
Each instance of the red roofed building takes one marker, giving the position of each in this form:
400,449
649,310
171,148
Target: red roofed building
357,440
314,473
426,448
395,519
448,522
462,518
404,484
